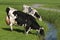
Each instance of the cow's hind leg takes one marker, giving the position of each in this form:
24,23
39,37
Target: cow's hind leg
11,27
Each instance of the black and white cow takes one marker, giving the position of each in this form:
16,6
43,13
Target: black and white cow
25,19
31,11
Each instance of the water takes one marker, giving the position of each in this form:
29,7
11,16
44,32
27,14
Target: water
52,33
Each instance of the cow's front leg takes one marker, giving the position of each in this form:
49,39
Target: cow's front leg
28,29
11,26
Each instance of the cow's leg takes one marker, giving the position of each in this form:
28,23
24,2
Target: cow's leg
42,31
28,29
11,26
38,30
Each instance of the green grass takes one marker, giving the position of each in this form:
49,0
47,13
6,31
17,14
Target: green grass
31,1
6,2
54,6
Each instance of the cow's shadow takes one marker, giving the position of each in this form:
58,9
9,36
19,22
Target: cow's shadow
7,29
18,30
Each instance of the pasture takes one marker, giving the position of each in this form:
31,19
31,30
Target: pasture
18,33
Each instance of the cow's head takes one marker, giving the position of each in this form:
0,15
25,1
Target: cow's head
7,10
42,31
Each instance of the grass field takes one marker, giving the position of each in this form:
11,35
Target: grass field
18,33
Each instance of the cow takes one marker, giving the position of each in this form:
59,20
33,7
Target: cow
31,11
21,18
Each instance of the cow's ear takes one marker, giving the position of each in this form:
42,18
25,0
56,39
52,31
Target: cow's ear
29,9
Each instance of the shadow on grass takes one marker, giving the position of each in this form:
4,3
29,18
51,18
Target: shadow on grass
33,33
8,29
19,30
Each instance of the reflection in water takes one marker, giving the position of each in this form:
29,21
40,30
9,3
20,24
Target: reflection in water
52,33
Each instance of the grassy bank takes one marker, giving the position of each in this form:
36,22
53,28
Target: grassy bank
52,17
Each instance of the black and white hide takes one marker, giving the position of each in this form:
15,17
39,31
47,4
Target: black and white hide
25,19
10,18
31,11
